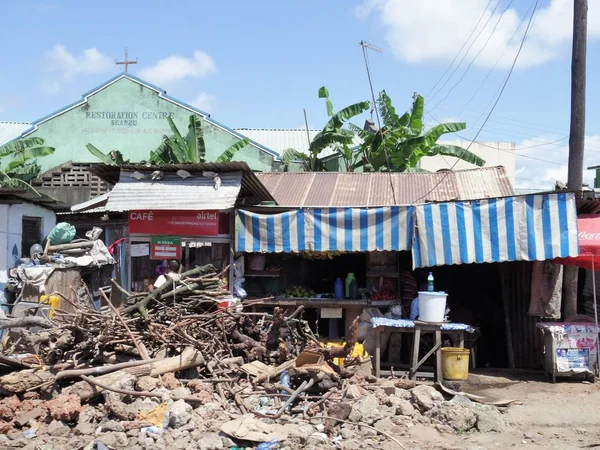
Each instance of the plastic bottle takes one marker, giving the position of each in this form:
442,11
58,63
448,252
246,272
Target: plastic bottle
268,445
353,290
339,289
430,282
349,279
284,379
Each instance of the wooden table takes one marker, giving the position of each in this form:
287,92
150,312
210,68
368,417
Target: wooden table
418,329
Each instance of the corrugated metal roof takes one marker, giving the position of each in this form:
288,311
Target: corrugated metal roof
252,192
29,195
280,139
174,193
304,189
11,130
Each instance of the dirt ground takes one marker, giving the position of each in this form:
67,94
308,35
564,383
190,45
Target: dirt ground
565,415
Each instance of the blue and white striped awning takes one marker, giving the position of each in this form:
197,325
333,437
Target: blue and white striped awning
326,229
527,228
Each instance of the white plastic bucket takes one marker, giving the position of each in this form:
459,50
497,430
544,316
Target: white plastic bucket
432,306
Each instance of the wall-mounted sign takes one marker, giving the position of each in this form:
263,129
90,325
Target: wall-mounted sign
174,223
138,250
165,247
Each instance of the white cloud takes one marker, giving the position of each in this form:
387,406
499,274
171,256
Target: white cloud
51,87
177,67
433,30
205,102
90,62
540,167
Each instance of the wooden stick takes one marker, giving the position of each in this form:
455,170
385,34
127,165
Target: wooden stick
303,387
100,370
139,345
361,424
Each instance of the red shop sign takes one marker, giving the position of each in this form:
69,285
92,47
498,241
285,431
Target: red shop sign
179,223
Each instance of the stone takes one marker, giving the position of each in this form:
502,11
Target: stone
460,418
114,439
317,439
5,427
112,425
210,441
180,413
9,406
23,418
384,424
355,392
85,428
146,383
169,381
181,392
65,407
489,420
32,395
403,407
461,400
57,428
425,397
89,414
366,410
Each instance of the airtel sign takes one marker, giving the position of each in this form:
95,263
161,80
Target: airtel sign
174,223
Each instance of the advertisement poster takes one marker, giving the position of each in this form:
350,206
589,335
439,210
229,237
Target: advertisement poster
573,359
165,247
138,250
174,223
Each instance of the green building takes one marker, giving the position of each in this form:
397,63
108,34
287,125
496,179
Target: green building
127,114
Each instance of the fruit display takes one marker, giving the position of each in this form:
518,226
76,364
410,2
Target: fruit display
383,295
319,255
299,291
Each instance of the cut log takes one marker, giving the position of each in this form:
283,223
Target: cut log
24,380
189,358
75,245
26,322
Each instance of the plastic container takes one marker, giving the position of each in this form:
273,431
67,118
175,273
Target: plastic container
339,289
353,290
455,363
432,306
349,279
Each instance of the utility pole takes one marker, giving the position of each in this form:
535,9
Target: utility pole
576,135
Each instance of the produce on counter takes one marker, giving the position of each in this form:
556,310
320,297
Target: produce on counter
383,295
299,291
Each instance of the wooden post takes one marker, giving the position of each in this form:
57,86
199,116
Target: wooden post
378,352
510,353
415,353
576,136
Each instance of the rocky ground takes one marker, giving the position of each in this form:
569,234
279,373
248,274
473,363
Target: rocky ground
560,416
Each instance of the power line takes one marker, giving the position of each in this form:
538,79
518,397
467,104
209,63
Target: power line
466,53
495,103
477,55
461,49
499,58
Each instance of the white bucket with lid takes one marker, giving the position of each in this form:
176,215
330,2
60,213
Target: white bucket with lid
432,306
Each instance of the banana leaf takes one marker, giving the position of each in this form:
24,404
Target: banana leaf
416,115
388,112
228,154
196,149
338,119
430,137
457,152
19,146
324,93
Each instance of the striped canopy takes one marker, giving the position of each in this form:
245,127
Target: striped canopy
528,228
326,229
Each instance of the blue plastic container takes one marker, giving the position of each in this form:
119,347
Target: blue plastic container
339,289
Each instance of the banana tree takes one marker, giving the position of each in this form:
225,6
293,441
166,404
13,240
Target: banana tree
177,149
334,134
401,142
291,155
113,157
22,167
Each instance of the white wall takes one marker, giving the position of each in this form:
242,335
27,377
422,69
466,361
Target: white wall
494,154
11,232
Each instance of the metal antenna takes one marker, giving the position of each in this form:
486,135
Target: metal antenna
368,46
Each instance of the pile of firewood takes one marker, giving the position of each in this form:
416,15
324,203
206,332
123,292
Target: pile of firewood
182,327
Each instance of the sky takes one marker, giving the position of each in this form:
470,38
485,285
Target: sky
259,64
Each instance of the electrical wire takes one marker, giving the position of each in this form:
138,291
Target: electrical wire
495,103
461,49
476,56
499,58
466,53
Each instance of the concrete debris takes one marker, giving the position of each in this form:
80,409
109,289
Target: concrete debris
425,397
180,413
460,418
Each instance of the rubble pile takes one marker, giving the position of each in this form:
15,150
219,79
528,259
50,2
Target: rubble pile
179,368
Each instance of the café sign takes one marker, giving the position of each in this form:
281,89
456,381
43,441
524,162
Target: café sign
174,223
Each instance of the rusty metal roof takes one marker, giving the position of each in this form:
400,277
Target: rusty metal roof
304,189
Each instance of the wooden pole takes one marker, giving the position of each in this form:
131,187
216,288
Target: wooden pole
576,136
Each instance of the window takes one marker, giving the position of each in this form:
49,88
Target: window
32,234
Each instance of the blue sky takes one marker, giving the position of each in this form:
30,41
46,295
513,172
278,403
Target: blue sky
258,64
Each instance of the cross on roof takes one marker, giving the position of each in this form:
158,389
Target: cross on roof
126,62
